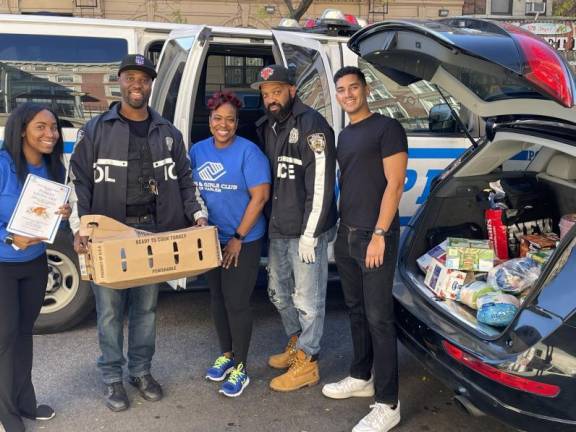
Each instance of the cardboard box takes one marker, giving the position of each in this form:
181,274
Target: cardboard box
122,257
438,252
537,242
469,255
445,282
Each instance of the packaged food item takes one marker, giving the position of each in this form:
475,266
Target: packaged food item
516,207
497,232
497,309
438,252
541,257
470,293
515,275
536,242
566,223
444,282
469,255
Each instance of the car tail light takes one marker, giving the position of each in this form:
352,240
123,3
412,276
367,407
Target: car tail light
509,380
546,71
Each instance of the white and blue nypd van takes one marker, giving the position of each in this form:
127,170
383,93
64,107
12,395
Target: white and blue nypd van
70,64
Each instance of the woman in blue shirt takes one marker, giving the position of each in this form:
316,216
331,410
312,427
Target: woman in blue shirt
32,144
233,177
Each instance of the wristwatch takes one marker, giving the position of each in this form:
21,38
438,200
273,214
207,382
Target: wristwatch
380,232
9,240
238,236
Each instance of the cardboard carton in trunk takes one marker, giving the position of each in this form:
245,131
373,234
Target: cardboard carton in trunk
122,257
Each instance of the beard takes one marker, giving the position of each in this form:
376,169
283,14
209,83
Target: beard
283,112
137,104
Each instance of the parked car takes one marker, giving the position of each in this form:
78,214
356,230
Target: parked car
524,373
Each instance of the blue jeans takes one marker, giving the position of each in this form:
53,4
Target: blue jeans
298,290
111,307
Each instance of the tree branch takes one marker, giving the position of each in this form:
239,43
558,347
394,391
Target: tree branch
300,10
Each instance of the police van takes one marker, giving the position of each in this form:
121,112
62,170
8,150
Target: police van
70,64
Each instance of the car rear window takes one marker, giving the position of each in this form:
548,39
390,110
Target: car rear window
494,85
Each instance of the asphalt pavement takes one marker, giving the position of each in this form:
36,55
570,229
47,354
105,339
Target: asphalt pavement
66,377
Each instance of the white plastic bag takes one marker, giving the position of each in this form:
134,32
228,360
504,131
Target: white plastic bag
515,275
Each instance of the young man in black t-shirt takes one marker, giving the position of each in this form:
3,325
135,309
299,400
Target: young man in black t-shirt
372,155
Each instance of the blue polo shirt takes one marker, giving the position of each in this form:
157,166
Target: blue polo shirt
10,189
224,177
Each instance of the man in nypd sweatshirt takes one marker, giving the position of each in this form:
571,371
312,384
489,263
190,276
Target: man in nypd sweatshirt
131,164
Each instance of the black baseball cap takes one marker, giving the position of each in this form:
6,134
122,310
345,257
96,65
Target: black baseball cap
137,62
274,73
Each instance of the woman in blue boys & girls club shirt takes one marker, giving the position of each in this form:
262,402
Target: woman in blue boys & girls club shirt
233,177
32,144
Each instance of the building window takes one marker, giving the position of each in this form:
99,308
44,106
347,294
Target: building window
113,91
502,7
241,71
65,79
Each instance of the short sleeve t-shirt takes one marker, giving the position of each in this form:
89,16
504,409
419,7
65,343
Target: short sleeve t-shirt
224,177
361,148
10,189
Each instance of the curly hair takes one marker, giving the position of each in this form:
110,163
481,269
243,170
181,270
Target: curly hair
220,98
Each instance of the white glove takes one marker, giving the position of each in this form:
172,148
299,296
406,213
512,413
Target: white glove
306,250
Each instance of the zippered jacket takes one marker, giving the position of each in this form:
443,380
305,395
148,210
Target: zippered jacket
99,167
302,157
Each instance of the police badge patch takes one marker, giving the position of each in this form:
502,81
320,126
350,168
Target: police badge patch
293,138
79,136
169,141
317,142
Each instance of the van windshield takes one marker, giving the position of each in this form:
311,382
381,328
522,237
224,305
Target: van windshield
75,76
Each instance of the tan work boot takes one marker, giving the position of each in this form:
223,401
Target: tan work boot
284,359
303,372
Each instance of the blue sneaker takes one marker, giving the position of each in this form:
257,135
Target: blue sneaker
221,367
236,382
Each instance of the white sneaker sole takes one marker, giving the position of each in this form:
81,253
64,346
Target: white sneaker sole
366,392
358,428
223,377
239,393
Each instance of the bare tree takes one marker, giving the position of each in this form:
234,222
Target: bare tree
297,12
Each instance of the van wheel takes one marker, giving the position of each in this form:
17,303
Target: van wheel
68,299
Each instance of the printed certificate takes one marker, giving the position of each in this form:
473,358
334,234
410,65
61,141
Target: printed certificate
35,213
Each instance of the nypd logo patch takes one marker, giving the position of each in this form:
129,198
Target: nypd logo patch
317,142
293,138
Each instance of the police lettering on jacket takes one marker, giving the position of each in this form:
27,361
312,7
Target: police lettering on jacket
99,162
302,155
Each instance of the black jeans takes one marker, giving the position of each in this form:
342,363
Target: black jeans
230,292
21,297
368,296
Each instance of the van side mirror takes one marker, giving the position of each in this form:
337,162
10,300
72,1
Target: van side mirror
440,119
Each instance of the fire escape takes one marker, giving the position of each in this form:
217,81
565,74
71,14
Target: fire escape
87,8
377,10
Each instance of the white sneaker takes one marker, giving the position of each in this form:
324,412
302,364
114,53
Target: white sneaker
382,418
349,387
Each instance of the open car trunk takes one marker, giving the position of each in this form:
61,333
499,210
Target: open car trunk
456,208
